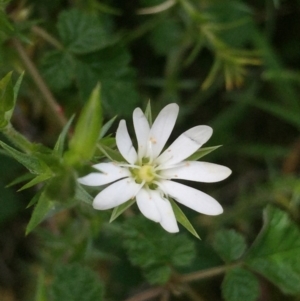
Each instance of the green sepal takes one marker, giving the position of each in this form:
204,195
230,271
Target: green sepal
182,219
148,113
111,154
38,179
82,146
106,127
59,145
120,209
41,210
32,163
202,152
82,195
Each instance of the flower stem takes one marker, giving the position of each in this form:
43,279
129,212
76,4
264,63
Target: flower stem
18,139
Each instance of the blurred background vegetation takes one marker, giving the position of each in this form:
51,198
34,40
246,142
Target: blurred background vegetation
233,65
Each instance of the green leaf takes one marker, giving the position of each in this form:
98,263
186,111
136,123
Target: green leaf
57,68
182,219
120,209
240,284
158,274
275,252
109,66
32,163
41,290
82,146
34,199
59,145
41,210
149,246
168,32
82,32
38,179
202,152
20,179
229,244
17,86
74,282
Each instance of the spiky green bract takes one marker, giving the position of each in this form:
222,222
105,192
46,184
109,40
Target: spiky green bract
155,251
83,143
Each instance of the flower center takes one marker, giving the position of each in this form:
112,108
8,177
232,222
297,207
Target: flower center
144,174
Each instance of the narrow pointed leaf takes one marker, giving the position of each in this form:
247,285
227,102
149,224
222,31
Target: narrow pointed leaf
120,209
38,179
182,219
6,93
33,164
34,199
59,146
18,180
40,212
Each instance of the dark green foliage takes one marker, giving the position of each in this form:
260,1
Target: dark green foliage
82,32
240,284
229,244
154,250
275,253
74,282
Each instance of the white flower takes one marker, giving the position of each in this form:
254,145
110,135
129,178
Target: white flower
148,173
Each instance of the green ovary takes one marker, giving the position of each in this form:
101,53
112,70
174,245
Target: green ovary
144,174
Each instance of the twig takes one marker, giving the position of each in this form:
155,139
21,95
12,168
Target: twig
50,101
148,294
46,36
207,273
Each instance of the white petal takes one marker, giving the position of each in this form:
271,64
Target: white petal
192,198
142,129
185,145
161,129
116,194
147,205
168,221
124,143
110,172
197,171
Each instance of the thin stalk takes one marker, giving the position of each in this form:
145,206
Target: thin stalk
199,275
50,102
18,139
